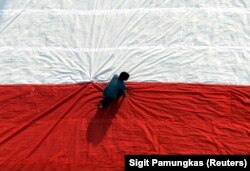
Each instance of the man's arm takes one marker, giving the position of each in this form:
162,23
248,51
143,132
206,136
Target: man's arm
126,93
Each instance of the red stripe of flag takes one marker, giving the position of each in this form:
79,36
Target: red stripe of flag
48,127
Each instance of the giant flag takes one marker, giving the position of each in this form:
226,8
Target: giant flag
189,86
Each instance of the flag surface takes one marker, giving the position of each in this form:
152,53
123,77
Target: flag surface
189,86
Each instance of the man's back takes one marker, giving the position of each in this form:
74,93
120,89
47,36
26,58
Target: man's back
114,87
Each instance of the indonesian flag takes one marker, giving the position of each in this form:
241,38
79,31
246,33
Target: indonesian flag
189,90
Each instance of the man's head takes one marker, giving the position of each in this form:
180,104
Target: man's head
124,76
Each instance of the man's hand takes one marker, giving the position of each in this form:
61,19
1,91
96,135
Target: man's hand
126,94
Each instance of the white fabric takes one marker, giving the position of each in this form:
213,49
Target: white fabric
70,41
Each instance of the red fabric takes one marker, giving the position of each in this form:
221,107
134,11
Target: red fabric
58,127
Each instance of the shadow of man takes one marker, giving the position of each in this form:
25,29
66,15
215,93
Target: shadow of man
101,122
